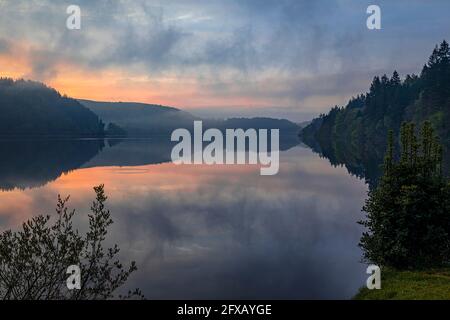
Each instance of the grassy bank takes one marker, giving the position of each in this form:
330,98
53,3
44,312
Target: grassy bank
410,285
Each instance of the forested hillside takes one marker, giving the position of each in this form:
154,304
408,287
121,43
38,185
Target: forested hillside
360,128
365,120
140,119
31,108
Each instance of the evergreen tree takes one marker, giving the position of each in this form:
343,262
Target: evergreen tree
395,80
408,214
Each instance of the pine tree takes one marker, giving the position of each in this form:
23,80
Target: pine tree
395,80
408,214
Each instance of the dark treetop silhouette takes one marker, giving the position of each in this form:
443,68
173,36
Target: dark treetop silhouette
31,108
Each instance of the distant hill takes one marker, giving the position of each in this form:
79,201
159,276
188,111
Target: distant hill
32,108
29,108
285,126
304,124
140,118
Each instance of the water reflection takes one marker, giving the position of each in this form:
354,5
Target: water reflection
222,231
31,163
365,163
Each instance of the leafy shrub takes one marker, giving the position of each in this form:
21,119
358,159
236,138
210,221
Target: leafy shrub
34,260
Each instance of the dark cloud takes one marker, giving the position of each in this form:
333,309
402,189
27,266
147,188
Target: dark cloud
156,50
218,42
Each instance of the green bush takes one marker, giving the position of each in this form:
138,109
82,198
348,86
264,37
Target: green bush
34,260
408,214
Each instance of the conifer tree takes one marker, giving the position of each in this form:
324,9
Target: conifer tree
408,214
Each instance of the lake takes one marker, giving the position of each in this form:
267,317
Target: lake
198,231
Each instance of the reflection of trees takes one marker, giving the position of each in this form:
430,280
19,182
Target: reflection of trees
33,163
365,163
133,152
34,261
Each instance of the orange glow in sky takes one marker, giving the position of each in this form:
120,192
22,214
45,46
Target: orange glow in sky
115,84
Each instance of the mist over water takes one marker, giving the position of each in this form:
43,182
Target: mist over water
211,232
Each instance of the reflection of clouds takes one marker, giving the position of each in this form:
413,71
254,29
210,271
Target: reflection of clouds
226,231
17,206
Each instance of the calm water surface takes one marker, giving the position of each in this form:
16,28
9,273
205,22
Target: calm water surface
202,231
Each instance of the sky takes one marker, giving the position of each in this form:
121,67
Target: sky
281,58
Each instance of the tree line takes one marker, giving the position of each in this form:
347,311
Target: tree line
363,123
31,108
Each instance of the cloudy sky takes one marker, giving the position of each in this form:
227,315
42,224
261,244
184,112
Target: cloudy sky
282,58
